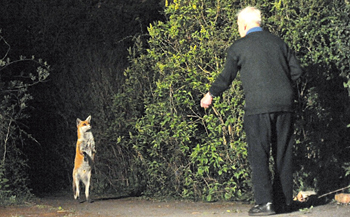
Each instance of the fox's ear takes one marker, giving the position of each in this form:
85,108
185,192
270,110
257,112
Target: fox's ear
78,121
88,119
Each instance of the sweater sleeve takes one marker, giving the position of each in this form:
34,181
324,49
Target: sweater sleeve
225,78
295,69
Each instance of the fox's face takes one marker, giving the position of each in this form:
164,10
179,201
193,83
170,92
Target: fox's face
84,126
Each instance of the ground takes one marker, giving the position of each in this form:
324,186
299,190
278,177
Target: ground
65,205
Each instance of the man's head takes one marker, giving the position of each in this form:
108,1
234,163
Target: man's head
248,18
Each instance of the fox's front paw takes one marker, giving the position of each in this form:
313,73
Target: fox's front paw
85,156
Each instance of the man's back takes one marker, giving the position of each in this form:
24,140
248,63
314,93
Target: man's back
267,68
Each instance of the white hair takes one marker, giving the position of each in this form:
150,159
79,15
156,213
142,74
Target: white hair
250,14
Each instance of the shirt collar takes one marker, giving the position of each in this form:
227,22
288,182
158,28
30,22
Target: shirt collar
254,29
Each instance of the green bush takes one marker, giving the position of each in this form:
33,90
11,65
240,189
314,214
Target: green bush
189,152
186,151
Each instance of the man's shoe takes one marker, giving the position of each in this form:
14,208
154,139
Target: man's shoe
262,210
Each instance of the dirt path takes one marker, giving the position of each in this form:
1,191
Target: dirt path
136,207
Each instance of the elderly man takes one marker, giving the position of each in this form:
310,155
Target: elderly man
267,68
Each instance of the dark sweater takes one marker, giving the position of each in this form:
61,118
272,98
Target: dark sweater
267,68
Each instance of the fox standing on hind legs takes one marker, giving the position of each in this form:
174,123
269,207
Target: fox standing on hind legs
84,158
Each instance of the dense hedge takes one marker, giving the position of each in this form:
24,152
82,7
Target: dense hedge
194,153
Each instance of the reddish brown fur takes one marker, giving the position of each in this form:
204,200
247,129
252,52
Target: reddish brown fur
79,156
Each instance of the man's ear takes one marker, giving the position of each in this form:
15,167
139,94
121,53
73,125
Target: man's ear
245,27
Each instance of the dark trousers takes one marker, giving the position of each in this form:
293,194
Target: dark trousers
271,133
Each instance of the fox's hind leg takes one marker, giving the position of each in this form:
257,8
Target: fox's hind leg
76,188
87,180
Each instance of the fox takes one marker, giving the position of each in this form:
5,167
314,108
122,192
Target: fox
84,158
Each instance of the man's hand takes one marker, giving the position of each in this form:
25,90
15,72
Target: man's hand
206,100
